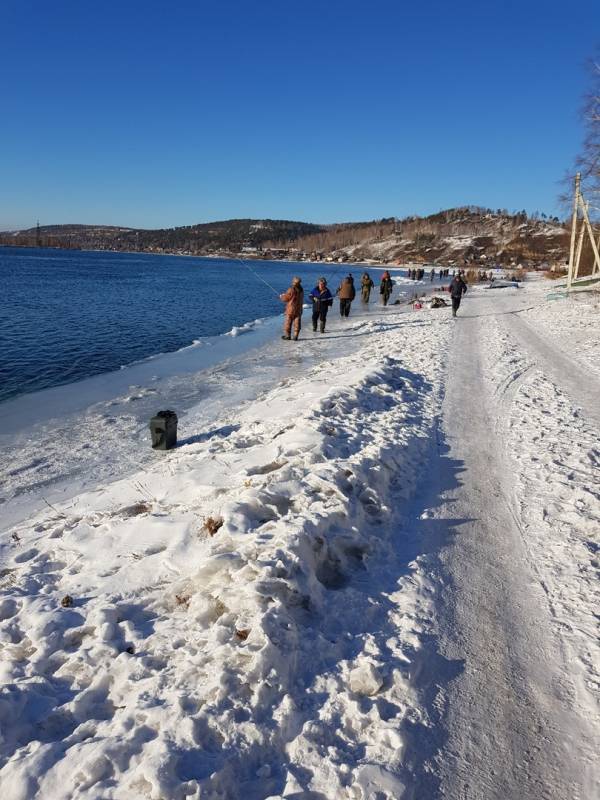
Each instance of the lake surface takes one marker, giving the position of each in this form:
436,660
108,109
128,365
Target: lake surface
67,315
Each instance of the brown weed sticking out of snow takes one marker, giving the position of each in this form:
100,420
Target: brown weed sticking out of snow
136,509
212,525
182,600
243,634
67,601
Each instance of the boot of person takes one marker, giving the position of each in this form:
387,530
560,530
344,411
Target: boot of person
322,328
286,337
315,328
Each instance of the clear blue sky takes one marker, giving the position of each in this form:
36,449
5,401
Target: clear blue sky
152,114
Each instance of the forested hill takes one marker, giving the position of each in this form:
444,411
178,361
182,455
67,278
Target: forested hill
459,235
204,238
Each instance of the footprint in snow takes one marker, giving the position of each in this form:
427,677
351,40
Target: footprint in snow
7,578
8,608
264,470
26,556
155,549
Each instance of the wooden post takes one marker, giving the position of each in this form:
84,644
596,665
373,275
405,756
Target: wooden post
573,231
578,254
592,239
596,264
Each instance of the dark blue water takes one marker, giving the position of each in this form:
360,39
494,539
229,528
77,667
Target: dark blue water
66,315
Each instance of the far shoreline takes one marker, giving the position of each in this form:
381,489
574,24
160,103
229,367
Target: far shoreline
217,257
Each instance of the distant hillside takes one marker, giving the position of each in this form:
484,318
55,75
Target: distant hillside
203,239
455,236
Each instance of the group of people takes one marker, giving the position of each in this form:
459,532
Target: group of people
482,275
322,300
419,274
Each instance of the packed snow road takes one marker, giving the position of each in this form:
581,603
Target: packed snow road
517,723
376,580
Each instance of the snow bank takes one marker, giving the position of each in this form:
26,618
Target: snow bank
242,618
574,319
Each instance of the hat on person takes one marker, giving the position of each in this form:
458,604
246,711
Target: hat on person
296,280
322,280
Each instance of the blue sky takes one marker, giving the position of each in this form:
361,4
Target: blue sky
154,114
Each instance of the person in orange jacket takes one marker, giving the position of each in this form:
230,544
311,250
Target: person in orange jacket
294,299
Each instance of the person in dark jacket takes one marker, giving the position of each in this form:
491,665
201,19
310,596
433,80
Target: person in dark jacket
366,284
346,292
385,287
457,288
321,299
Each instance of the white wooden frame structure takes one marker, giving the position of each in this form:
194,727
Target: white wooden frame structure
580,205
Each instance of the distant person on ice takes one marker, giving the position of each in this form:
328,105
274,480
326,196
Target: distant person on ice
346,292
294,297
366,284
385,287
457,288
321,299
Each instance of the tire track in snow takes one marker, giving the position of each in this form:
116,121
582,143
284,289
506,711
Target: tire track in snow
506,739
550,448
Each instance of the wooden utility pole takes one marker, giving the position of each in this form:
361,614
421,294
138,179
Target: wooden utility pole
588,225
573,230
578,254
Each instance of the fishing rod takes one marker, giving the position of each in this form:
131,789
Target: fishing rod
272,288
335,267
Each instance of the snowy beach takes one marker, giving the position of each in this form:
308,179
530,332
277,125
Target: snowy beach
369,570
66,438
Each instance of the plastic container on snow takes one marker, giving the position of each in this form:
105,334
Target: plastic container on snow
163,429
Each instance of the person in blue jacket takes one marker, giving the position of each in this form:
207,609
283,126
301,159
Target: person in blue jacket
321,299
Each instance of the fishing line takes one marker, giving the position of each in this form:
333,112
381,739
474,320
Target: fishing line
256,275
335,267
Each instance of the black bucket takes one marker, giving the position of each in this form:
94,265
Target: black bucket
163,429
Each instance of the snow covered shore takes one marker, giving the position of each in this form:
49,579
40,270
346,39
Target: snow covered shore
60,441
273,609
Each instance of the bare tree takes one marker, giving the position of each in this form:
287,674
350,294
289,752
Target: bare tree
588,162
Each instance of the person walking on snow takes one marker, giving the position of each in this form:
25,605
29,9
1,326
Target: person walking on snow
366,284
294,298
457,288
321,299
385,287
346,292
